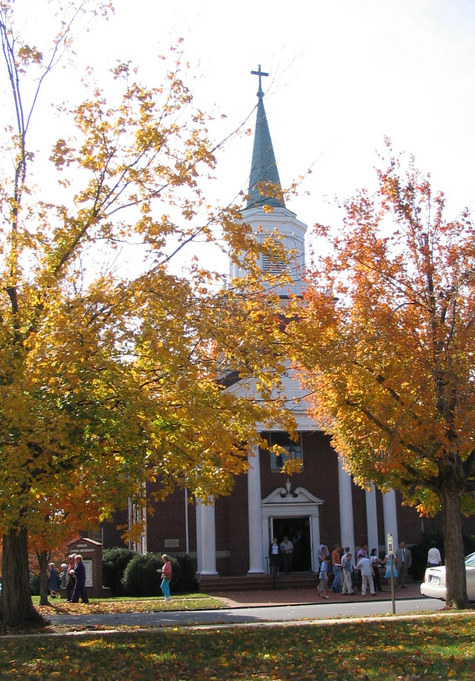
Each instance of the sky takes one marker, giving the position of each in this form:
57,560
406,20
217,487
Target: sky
343,74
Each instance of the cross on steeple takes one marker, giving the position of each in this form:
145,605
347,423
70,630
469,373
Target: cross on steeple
259,73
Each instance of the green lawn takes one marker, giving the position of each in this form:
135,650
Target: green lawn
130,604
391,649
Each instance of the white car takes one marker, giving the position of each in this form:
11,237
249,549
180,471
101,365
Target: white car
434,580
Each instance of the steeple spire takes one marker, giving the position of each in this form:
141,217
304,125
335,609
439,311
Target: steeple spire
264,181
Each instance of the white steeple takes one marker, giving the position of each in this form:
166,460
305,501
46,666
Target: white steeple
266,212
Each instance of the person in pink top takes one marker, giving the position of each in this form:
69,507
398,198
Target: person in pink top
166,577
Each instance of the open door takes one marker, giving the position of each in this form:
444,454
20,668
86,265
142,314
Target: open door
298,531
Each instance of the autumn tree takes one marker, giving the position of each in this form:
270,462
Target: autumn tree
110,361
386,342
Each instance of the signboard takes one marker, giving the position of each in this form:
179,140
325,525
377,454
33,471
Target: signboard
88,565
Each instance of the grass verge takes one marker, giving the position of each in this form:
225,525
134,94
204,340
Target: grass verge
425,649
98,606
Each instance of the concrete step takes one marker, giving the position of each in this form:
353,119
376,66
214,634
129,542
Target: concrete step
259,582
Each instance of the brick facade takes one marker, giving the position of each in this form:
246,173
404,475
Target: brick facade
166,527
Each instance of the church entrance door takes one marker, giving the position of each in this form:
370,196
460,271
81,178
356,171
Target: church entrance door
298,531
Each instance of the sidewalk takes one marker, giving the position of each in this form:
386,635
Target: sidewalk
250,608
284,596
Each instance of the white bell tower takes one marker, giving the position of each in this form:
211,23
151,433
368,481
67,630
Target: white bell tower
265,211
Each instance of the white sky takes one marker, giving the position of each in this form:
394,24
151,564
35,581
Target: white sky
343,74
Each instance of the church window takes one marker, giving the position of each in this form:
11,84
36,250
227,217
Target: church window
293,450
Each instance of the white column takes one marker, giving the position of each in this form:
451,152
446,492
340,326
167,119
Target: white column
371,519
205,538
390,516
254,501
347,529
314,539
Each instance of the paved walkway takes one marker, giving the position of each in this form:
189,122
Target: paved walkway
282,595
255,608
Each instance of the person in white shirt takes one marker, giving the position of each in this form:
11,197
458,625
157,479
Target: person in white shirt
433,556
274,560
366,569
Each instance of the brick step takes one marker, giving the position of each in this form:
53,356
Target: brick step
214,583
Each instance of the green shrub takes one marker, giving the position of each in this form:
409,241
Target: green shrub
126,572
185,579
141,577
114,563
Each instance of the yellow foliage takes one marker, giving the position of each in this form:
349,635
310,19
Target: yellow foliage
113,366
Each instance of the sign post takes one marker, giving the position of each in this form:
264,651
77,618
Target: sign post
390,552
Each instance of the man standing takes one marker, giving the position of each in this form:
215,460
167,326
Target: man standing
433,556
80,583
336,565
286,548
403,563
347,572
366,570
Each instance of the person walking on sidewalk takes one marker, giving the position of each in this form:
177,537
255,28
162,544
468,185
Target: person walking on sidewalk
166,572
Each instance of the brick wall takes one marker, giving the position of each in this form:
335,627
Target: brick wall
319,476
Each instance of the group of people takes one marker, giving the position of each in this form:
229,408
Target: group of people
366,568
72,578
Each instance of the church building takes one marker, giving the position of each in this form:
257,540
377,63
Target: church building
319,504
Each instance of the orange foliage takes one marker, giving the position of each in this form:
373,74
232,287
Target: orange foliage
388,357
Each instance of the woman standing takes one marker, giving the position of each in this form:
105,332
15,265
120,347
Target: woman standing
53,581
323,576
71,578
376,562
274,560
388,561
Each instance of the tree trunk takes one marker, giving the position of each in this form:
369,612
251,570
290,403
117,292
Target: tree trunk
43,565
454,550
16,606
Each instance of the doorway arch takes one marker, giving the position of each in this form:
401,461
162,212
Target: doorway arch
284,510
